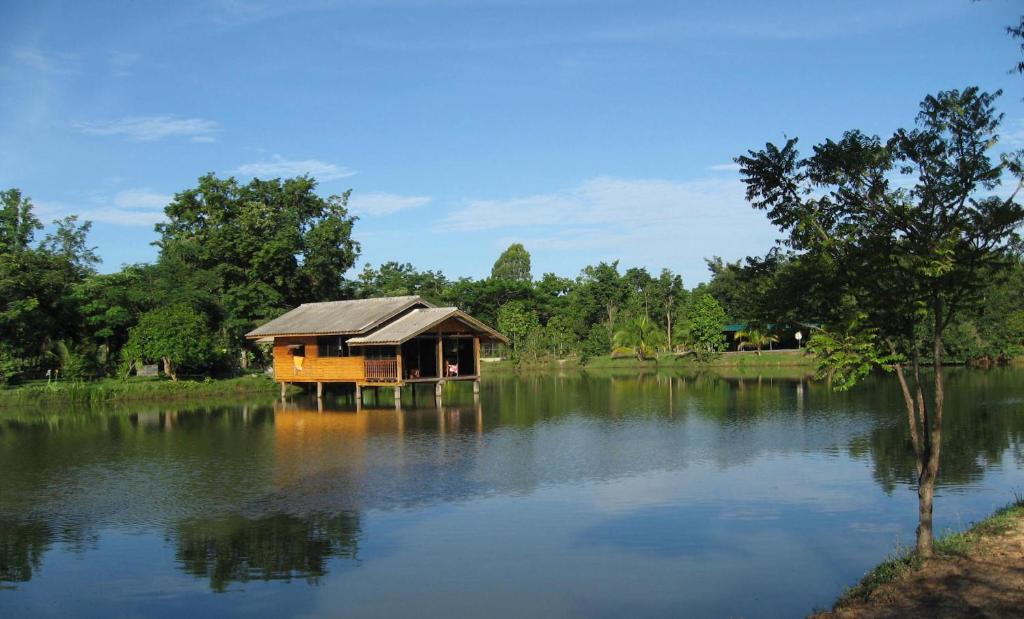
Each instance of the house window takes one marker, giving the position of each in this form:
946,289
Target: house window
298,350
332,346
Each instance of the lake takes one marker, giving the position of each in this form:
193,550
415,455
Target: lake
590,495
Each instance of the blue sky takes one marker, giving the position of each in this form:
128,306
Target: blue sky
586,130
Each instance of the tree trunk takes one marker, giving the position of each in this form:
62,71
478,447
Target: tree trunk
929,467
169,368
668,319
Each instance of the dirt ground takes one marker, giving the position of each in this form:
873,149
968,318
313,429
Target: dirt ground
987,582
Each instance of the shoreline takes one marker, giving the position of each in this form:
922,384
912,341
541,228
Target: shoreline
977,572
134,389
768,359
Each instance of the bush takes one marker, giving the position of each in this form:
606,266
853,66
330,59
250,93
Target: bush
10,367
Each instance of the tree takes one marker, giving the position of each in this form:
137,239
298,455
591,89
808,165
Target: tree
704,326
517,321
596,343
598,295
560,336
176,335
756,338
668,291
1017,32
394,279
639,337
905,261
36,279
513,264
269,246
111,304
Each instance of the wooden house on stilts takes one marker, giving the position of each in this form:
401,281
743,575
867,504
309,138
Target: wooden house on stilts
386,342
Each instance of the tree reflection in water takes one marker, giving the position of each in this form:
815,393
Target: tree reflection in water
22,546
279,547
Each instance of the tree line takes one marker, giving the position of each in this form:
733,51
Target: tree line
233,255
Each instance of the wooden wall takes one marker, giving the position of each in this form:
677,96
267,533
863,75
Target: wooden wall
314,368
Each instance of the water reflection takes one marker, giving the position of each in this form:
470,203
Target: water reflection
22,546
278,547
655,465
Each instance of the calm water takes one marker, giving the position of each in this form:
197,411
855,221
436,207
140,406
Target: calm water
576,495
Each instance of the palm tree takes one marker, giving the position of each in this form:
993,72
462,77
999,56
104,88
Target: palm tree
639,337
755,338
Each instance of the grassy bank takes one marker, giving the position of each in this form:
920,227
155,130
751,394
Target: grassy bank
111,389
733,360
949,547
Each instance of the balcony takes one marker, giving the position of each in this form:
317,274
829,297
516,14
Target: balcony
380,370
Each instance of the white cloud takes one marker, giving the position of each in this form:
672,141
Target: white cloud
653,222
151,128
725,167
377,204
603,201
279,167
46,62
141,199
1013,133
129,207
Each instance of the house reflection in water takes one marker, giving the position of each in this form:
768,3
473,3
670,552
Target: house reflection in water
325,462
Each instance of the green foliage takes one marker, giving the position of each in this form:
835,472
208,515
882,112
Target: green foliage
36,280
111,390
756,338
518,322
596,344
10,366
639,337
845,358
513,264
395,279
176,335
898,256
559,335
702,332
261,248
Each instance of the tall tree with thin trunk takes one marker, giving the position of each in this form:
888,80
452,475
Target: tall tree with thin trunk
906,229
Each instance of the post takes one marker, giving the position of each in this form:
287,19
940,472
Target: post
319,390
284,388
359,395
440,357
437,393
398,397
398,364
476,361
476,387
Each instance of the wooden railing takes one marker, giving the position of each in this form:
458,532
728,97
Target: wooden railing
380,370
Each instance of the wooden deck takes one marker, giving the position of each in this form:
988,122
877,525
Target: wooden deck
435,379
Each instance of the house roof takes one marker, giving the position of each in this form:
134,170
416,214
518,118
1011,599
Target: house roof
337,317
419,320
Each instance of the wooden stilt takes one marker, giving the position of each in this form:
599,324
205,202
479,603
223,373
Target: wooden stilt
284,389
398,397
476,387
319,390
359,395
